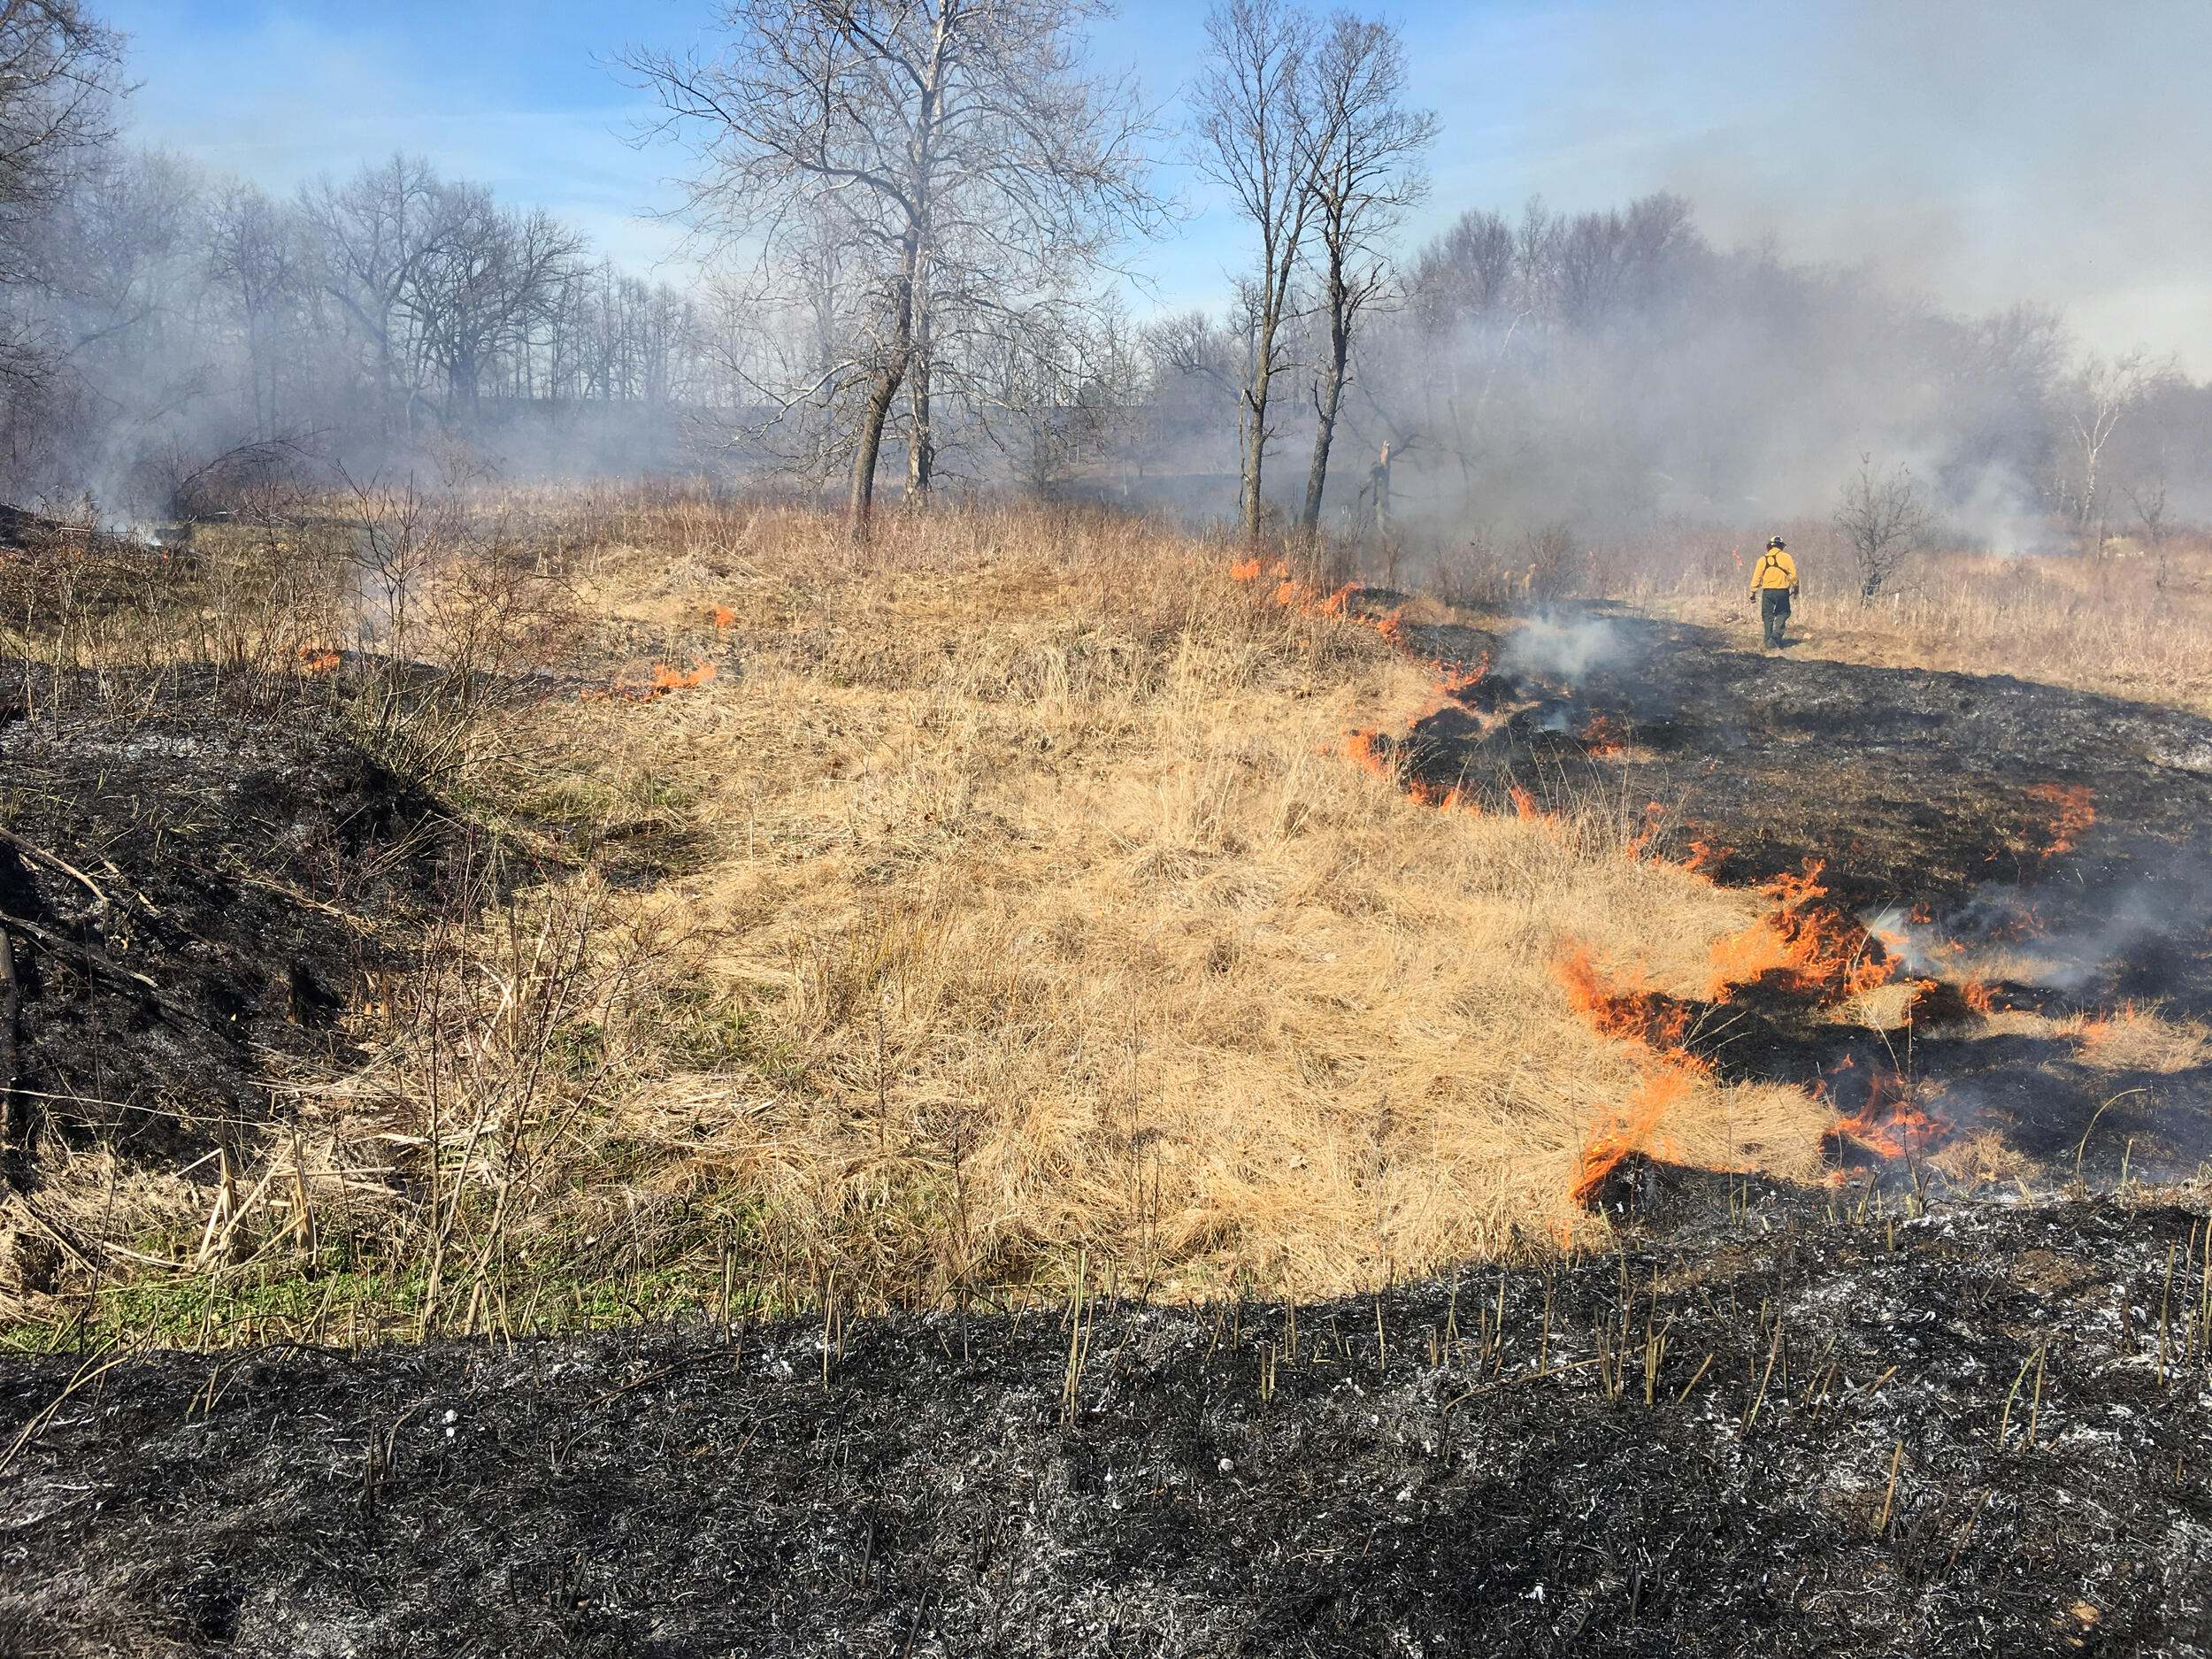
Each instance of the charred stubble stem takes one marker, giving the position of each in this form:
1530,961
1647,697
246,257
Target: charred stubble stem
1889,1497
10,1001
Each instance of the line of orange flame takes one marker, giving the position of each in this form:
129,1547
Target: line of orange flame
2073,810
1658,1026
1368,748
1811,946
658,682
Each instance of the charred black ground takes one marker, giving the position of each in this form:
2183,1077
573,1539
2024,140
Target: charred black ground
1910,785
195,875
1489,1468
1998,812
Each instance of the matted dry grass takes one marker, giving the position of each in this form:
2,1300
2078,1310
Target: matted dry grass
1003,907
1056,922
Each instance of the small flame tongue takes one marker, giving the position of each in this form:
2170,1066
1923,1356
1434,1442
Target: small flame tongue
1635,1128
1888,1123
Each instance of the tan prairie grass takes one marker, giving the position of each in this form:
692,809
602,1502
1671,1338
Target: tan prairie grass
2134,1037
1005,906
1058,923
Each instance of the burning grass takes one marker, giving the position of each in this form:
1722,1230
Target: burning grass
1004,899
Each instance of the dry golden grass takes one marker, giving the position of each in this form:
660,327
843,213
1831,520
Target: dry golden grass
2133,624
1058,923
1005,901
2136,1039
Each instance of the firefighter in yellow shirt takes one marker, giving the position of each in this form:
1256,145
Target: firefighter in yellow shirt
1774,584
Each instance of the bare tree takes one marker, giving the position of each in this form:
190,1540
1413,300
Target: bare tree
59,82
484,281
256,258
1256,133
1363,181
2102,395
1885,520
966,159
373,234
59,78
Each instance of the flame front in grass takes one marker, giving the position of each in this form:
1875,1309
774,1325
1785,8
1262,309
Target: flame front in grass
657,682
1810,946
313,660
1372,752
1632,1012
1704,856
2073,810
1654,817
1603,739
1890,1124
724,618
1633,1128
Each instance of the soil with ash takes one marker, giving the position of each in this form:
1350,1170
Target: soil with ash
1973,817
1980,1432
1910,785
192,876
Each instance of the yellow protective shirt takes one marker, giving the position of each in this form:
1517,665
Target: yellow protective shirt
1775,569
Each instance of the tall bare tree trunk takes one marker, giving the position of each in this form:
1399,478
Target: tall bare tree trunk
1253,502
921,444
889,378
1326,405
871,446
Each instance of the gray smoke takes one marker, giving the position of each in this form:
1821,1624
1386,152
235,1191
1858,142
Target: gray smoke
1546,648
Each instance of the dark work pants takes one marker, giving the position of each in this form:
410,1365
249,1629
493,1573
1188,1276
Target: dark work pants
1774,610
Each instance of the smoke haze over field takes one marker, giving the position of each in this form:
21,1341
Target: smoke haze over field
1847,201
1990,150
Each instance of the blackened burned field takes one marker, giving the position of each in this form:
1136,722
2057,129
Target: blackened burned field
1982,1430
1910,785
193,868
2030,848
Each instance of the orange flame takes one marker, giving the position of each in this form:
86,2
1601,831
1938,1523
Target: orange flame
2073,811
1603,739
724,619
313,660
1654,815
1890,1126
656,682
1634,1127
1809,946
1524,804
1372,752
1632,1012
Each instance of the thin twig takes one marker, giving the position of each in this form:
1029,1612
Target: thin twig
39,854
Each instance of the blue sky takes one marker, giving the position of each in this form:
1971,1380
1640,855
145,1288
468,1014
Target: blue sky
1980,149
